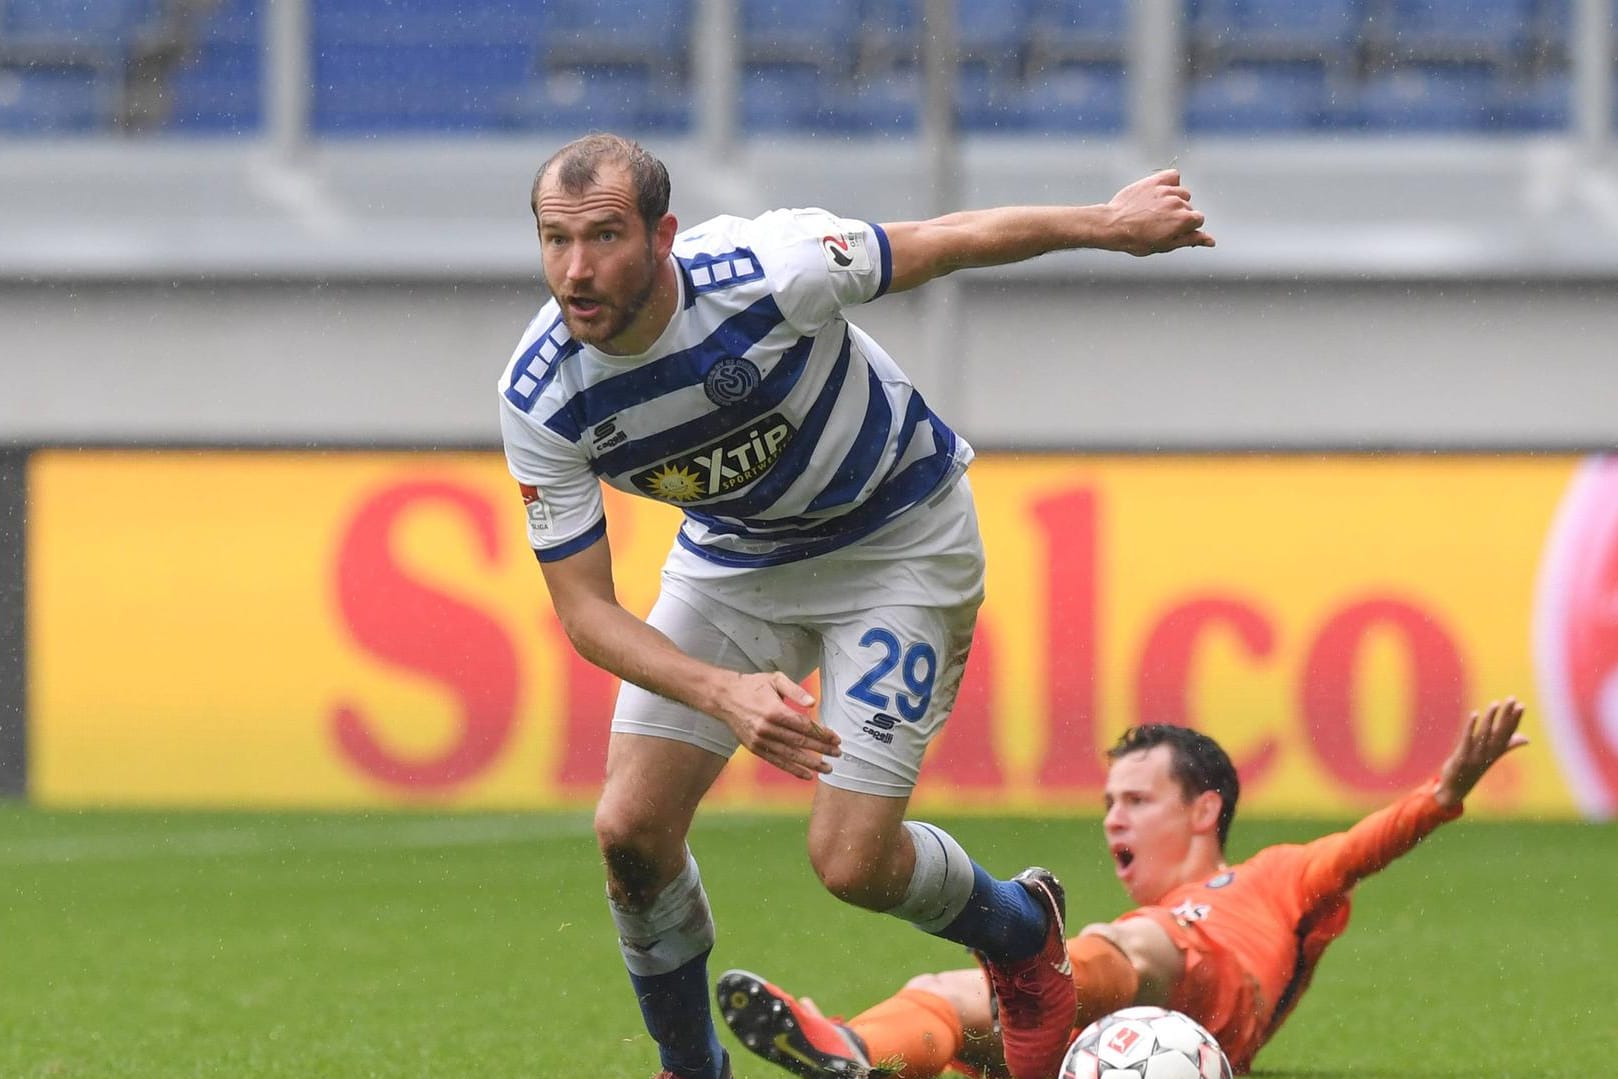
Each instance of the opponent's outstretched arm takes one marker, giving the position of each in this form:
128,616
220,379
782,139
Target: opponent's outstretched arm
1485,738
1150,216
1337,861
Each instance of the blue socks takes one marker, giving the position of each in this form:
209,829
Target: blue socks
1000,919
677,1013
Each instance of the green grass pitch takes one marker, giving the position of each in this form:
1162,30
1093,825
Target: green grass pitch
477,946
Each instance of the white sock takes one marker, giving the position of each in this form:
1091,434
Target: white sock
941,883
676,928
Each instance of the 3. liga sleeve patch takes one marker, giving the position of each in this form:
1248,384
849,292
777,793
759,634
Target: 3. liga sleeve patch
540,521
846,252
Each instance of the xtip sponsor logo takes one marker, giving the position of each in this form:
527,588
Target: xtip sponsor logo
723,465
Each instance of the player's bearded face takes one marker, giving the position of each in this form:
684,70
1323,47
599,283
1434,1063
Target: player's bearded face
600,259
601,311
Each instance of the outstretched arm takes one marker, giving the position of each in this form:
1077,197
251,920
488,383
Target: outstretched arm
1150,216
1337,862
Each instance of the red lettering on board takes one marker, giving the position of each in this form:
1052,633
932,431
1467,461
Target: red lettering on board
1072,605
1163,683
963,756
1437,693
410,625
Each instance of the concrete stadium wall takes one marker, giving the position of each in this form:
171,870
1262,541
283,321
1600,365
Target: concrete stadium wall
1136,363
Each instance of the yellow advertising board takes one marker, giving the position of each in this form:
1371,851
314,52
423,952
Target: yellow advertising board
358,629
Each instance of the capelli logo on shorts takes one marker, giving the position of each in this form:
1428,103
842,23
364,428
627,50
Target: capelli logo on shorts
880,727
721,466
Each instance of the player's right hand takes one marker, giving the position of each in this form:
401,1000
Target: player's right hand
768,714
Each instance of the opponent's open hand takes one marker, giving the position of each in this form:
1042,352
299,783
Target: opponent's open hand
767,713
1484,739
1154,214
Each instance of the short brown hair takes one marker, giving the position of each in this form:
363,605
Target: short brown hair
1197,763
578,164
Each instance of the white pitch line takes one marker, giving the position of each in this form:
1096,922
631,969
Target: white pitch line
383,834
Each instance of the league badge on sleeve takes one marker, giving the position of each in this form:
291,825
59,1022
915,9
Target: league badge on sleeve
540,522
846,252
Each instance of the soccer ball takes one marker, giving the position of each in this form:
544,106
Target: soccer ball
1145,1043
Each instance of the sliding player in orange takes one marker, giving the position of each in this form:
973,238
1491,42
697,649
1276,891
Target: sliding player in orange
1231,946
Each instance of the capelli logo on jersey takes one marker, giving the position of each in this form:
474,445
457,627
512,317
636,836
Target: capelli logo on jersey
721,466
606,434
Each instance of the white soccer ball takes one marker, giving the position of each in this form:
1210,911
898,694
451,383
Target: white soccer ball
1145,1043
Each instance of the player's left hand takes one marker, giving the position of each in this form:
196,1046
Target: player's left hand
1484,739
1154,214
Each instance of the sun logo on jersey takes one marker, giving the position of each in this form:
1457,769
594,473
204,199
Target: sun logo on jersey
672,483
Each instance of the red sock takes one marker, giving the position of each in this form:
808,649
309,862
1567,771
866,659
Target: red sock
919,1028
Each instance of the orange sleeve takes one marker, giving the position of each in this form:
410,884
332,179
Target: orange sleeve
1335,863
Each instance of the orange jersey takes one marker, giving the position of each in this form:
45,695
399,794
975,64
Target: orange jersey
1253,933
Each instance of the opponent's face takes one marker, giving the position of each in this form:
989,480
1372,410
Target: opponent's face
1152,828
601,261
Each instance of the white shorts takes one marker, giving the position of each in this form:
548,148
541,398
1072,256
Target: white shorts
888,622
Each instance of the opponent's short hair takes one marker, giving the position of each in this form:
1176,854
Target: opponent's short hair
1197,763
578,165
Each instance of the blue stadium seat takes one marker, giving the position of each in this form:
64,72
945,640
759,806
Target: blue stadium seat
364,88
80,21
886,102
1496,31
1543,103
1258,98
651,32
51,101
1430,98
889,34
995,31
218,87
781,98
1078,30
990,100
823,31
577,98
1326,30
422,65
1077,98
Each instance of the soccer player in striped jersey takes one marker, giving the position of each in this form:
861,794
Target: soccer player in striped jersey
828,525
1232,946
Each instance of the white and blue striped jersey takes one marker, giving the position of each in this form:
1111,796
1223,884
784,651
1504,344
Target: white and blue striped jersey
779,429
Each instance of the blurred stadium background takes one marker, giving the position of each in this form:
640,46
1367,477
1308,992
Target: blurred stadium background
300,226
1317,490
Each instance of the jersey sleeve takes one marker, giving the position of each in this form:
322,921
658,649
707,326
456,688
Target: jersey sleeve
818,263
1335,863
561,496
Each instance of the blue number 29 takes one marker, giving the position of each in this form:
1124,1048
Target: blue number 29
919,668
